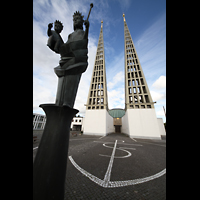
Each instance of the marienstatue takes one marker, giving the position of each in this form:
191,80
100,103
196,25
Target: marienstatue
73,58
50,164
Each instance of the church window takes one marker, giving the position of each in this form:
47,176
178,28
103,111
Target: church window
139,91
137,81
144,89
130,99
134,90
132,75
135,99
141,99
133,82
130,91
129,83
146,98
90,101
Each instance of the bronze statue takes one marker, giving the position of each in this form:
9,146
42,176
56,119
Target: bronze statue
73,57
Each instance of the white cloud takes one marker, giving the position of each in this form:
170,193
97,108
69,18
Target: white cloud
158,91
160,83
116,98
156,96
116,80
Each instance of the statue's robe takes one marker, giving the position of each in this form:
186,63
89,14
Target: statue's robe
72,64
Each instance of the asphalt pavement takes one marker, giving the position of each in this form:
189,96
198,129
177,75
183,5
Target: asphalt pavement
115,167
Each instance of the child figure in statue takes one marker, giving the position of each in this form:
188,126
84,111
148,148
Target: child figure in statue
55,40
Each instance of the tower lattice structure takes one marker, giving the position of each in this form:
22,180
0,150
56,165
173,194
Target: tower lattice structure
137,95
97,96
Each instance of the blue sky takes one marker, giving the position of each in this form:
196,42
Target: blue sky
146,20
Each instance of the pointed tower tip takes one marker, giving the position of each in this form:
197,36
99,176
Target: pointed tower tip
101,23
124,16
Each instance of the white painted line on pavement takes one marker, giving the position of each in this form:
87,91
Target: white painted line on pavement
108,173
35,148
102,137
134,140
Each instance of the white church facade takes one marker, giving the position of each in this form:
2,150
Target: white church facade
138,119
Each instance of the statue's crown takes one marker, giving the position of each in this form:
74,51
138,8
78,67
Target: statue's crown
78,14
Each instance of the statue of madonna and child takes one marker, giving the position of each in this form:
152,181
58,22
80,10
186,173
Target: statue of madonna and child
73,57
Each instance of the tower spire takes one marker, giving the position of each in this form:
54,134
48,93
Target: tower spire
124,17
137,93
97,96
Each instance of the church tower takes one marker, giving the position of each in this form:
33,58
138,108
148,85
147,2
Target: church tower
140,118
97,96
137,93
97,119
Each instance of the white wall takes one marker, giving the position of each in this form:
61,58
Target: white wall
95,122
125,127
142,123
98,122
109,124
161,126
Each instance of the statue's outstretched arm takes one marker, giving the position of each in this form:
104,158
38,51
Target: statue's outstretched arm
87,24
49,33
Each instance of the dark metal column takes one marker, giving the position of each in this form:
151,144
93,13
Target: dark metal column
50,164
